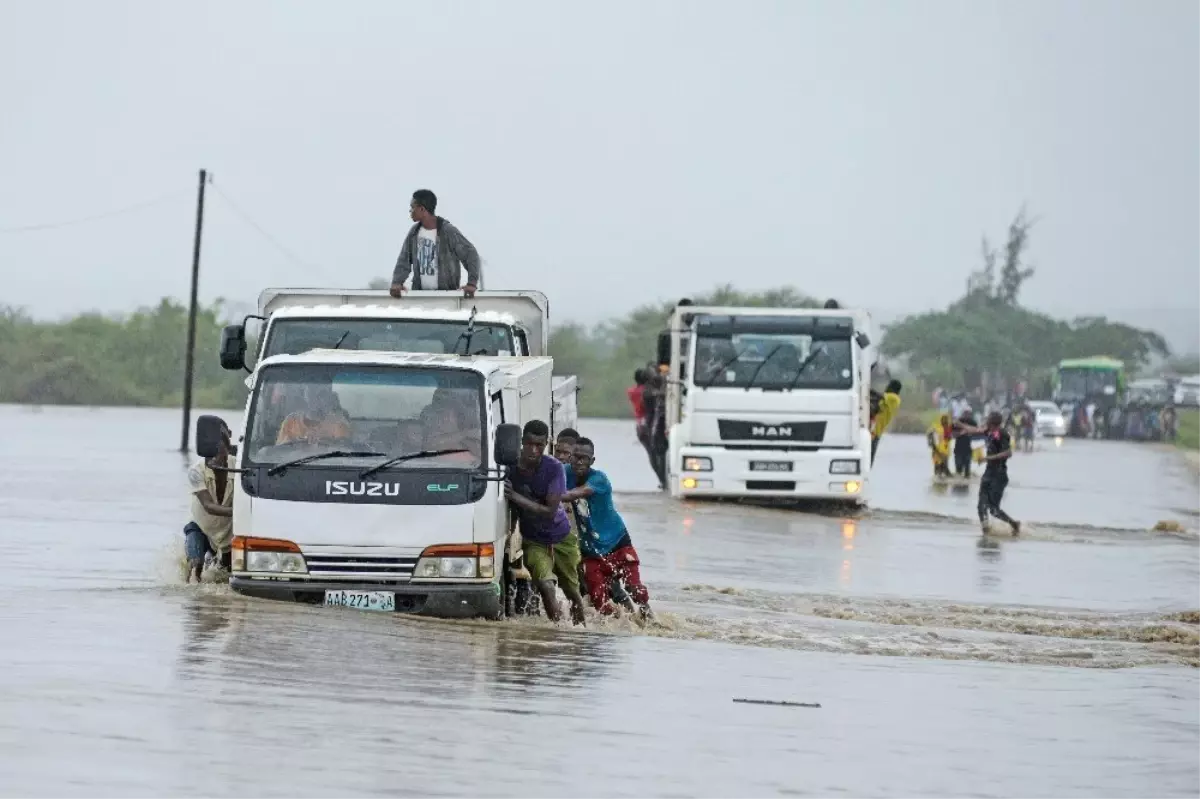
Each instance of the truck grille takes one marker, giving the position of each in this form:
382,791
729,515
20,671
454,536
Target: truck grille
770,485
356,567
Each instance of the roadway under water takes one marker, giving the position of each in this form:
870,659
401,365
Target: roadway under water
1062,663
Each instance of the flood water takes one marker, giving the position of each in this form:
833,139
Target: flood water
1060,664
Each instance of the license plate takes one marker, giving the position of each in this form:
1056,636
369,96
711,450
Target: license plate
362,600
770,466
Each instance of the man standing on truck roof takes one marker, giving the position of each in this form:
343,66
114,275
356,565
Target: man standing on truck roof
434,252
211,528
535,488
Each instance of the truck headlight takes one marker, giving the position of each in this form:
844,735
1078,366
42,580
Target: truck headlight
251,554
286,562
844,467
456,562
693,464
445,567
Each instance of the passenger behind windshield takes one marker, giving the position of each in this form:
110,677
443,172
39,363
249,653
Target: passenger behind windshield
365,415
322,419
444,428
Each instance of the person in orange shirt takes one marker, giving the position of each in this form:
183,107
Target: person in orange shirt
322,420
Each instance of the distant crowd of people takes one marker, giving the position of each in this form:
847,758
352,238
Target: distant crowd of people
1136,421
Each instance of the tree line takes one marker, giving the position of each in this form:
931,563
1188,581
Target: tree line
133,359
986,335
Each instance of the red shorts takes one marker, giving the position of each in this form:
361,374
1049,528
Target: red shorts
621,564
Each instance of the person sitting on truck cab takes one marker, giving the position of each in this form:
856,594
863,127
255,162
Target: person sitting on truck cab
322,418
604,540
535,488
211,528
434,252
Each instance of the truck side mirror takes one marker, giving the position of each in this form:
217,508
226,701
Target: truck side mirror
664,348
862,339
233,347
508,444
209,433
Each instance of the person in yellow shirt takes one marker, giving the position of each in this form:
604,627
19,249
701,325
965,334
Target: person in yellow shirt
939,436
889,404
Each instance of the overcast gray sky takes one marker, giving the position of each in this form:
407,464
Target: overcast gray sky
607,153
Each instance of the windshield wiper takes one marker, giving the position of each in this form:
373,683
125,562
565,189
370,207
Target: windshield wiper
757,369
812,356
280,468
717,372
425,453
340,340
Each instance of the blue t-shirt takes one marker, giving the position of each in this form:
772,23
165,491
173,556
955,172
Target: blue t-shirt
601,528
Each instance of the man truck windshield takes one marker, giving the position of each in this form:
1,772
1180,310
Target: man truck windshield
771,352
305,410
296,336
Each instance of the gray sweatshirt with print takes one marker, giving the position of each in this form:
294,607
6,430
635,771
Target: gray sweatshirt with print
454,253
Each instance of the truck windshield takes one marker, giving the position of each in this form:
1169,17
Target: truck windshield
296,336
772,353
299,410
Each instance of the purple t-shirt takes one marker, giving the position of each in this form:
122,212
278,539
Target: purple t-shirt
547,479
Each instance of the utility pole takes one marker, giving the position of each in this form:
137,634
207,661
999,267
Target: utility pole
190,355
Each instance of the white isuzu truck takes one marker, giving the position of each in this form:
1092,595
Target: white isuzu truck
374,479
768,402
497,323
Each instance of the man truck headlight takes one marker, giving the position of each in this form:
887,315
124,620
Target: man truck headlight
266,555
692,464
844,467
456,562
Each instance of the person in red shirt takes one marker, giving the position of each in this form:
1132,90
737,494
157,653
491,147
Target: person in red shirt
637,398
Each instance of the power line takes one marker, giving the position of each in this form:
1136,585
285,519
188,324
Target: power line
94,217
261,231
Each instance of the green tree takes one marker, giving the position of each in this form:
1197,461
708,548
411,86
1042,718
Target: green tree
987,332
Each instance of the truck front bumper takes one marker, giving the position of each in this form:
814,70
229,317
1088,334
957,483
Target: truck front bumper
442,600
796,475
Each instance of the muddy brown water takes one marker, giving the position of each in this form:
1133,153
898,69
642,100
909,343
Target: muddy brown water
1063,663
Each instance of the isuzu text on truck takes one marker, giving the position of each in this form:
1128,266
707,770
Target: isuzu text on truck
768,402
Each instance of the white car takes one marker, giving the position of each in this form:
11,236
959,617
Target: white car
1049,419
1187,391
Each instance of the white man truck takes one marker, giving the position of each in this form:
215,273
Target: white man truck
768,402
496,323
374,479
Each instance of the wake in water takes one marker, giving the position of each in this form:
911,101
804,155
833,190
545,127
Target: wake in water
926,628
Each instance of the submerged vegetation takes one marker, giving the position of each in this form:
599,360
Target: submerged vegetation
92,359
